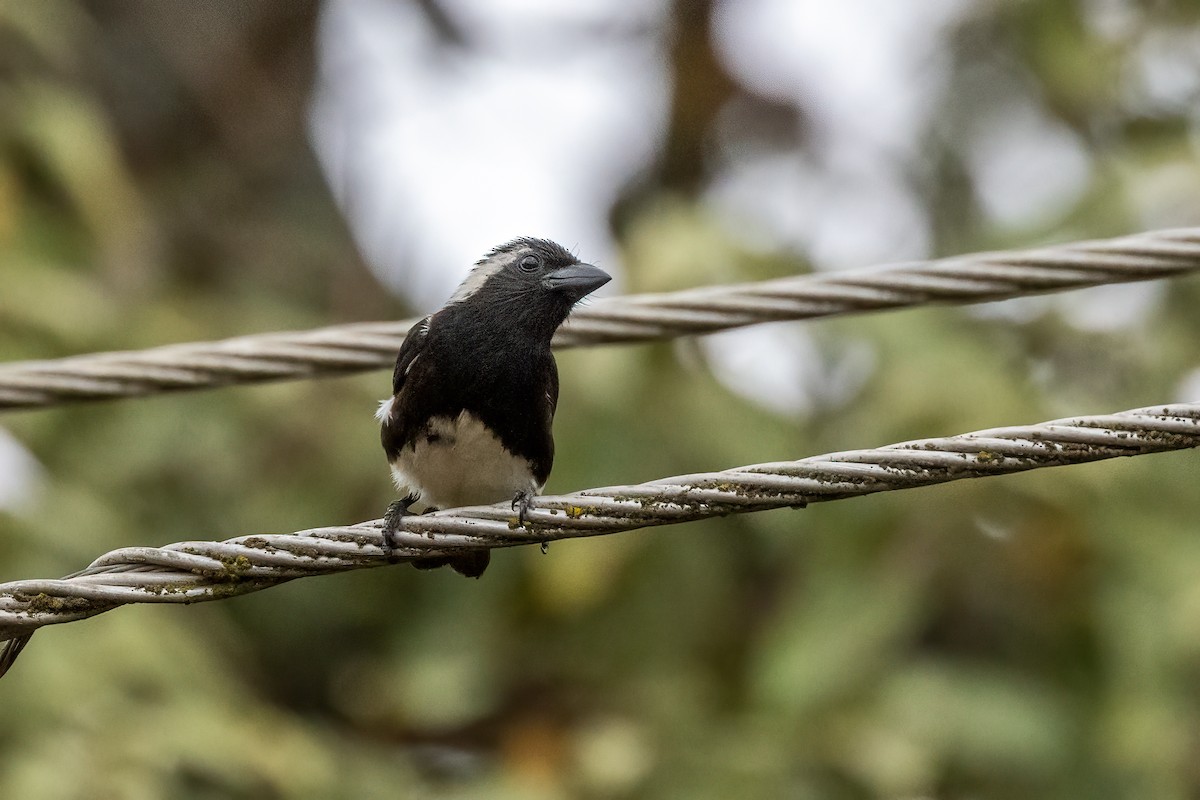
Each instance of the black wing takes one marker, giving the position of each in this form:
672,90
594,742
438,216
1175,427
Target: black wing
414,342
545,461
552,391
392,431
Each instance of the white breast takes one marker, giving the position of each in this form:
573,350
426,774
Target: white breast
459,462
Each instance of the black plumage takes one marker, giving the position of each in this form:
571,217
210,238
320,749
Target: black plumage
475,386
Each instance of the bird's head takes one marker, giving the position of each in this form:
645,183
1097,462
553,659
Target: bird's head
534,281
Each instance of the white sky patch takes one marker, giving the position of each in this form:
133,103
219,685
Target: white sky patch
1111,308
1027,166
841,220
867,218
868,73
1189,388
437,156
868,68
770,199
1113,20
1164,77
21,475
509,20
782,368
772,365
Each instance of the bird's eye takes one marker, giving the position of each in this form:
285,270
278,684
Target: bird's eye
530,263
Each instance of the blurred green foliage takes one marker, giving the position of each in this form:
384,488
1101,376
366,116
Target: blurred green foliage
1037,635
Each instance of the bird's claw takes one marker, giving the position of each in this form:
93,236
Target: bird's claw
470,563
396,511
521,503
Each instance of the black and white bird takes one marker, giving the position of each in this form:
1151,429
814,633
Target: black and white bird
475,388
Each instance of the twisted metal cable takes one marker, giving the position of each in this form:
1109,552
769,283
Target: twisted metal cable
189,572
364,346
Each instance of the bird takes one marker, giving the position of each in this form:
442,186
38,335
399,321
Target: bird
475,389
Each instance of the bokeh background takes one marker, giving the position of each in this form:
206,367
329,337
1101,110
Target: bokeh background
175,171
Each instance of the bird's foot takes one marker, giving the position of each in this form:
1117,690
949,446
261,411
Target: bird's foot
391,523
521,503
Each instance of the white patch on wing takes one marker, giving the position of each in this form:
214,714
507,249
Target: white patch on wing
479,275
385,408
464,465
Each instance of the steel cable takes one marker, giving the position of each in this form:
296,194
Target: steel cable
364,346
188,572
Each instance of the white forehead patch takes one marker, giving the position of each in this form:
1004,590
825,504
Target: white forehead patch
479,276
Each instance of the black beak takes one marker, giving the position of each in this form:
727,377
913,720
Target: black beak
576,280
